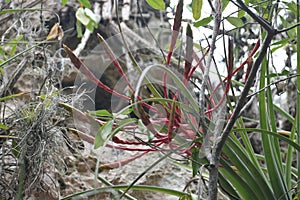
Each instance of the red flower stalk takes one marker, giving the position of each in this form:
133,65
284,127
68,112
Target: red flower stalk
229,72
85,70
176,28
115,61
171,121
236,70
188,53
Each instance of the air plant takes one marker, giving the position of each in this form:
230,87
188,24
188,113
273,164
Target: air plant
176,127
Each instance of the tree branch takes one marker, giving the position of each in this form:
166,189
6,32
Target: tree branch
264,23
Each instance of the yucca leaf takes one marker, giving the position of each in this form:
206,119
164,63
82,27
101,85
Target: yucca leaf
273,134
241,186
253,175
277,181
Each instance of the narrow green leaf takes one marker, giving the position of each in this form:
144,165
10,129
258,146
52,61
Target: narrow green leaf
10,96
3,126
226,185
203,22
196,8
64,2
94,191
195,161
103,134
297,118
235,21
283,41
241,186
16,149
292,6
85,3
276,175
4,11
157,4
13,43
279,136
101,113
99,141
18,54
126,111
247,170
126,122
107,130
90,26
79,29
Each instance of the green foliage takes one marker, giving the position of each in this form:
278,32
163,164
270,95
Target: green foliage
10,96
235,21
87,18
64,2
243,173
101,113
157,4
92,192
224,4
203,22
6,52
85,3
196,8
103,134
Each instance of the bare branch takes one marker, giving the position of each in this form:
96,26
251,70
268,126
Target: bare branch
264,23
289,28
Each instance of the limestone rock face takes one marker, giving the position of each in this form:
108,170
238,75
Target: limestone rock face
47,65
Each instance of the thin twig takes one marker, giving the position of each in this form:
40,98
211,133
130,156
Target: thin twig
289,28
218,148
216,151
264,23
217,19
146,25
273,83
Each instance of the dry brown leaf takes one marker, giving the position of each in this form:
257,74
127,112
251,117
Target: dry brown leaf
56,32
